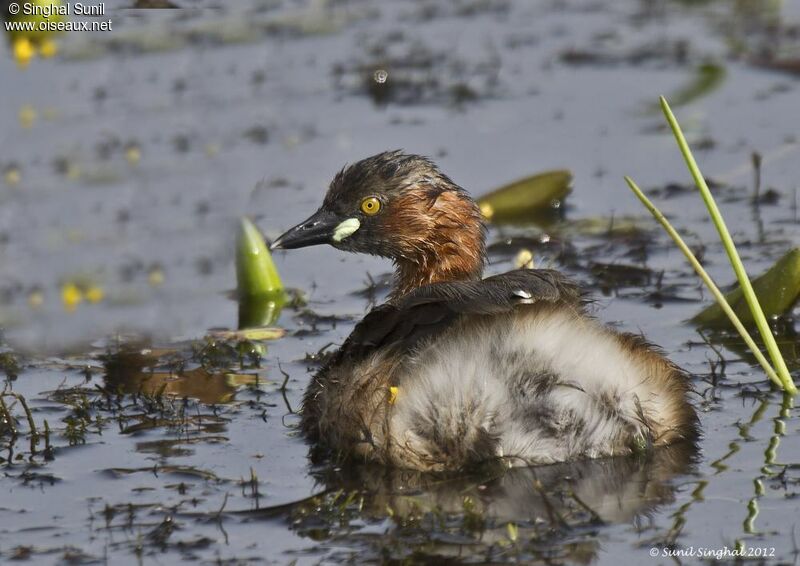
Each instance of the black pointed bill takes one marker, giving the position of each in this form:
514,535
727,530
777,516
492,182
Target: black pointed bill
323,227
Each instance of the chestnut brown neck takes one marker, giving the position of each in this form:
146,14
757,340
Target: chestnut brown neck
439,239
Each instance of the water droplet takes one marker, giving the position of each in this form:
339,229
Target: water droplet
380,76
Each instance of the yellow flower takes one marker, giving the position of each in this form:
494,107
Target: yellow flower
94,294
27,116
24,51
524,259
48,48
12,176
133,154
71,296
393,391
155,277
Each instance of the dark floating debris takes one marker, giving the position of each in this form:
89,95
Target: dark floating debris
790,66
418,74
154,5
619,275
257,134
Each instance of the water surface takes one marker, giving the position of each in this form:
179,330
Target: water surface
136,152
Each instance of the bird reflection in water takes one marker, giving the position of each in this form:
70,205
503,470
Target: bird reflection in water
446,516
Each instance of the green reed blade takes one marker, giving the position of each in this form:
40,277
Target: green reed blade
718,295
733,255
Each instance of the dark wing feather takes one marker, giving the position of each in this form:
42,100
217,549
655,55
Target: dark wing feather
431,309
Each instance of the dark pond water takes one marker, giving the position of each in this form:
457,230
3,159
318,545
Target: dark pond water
128,159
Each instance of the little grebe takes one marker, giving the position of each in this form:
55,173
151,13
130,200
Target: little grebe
454,370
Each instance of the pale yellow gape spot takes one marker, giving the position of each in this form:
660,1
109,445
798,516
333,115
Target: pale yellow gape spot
345,229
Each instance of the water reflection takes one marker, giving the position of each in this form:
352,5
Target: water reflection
515,511
137,372
260,311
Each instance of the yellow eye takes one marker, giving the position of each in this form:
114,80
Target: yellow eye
370,206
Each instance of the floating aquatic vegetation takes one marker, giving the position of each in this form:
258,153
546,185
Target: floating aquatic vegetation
260,312
256,274
311,321
598,54
319,17
10,364
8,422
259,287
535,198
615,275
220,355
777,290
250,333
605,227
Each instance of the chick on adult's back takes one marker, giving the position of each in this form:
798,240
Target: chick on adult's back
454,370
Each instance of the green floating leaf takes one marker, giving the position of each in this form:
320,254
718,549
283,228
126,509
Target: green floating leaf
256,274
777,290
606,226
255,333
530,199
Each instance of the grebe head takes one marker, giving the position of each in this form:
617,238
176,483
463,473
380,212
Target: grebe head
399,206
